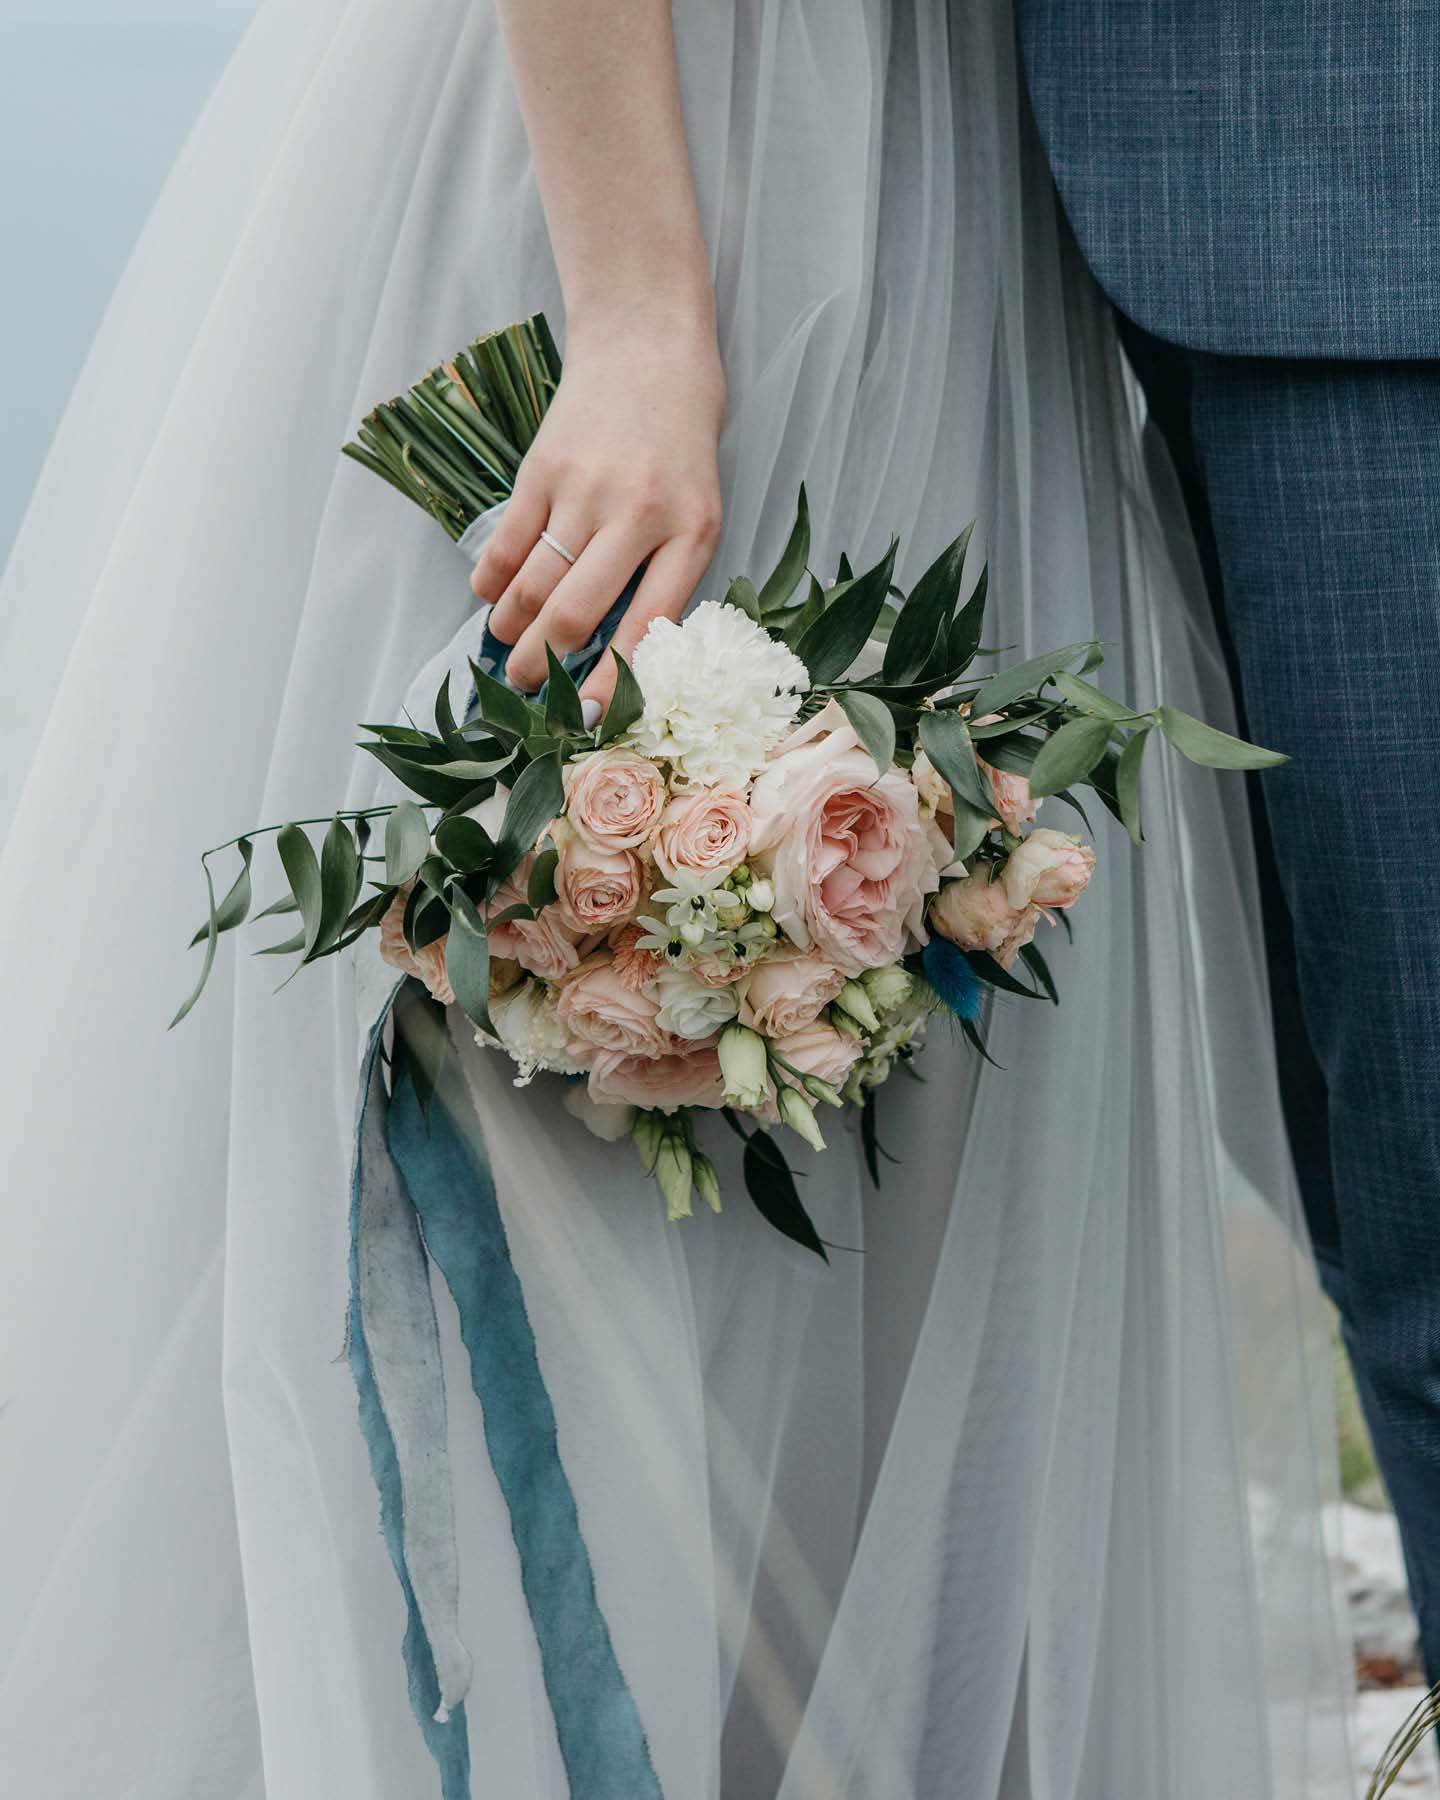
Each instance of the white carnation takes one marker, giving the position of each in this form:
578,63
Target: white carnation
720,693
688,1007
529,1029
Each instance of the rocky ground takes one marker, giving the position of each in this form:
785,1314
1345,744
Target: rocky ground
1387,1667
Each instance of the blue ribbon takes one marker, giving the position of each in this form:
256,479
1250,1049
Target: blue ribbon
442,1168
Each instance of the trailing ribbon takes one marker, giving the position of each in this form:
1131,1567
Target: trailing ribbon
424,1185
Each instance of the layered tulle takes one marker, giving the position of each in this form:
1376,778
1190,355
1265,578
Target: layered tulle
1018,1497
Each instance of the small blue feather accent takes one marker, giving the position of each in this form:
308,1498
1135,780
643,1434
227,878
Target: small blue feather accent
948,971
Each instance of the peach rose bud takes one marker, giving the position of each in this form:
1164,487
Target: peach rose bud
1049,869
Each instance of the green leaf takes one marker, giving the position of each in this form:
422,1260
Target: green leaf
971,828
804,616
541,889
1085,697
297,856
946,742
423,1046
741,593
536,798
339,884
421,777
791,566
874,724
998,691
963,642
288,948
772,1187
470,772
978,1043
1127,784
235,907
837,637
445,721
465,843
407,842
501,707
1035,962
286,904
626,702
212,933
990,972
1069,755
467,962
1202,743
563,716
926,613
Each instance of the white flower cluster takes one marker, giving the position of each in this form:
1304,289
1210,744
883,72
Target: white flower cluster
720,693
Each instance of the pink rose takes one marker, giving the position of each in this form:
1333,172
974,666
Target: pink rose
595,888
1049,869
614,798
1012,797
788,991
976,914
633,965
818,1049
599,1007
545,945
689,1078
849,855
704,833
428,964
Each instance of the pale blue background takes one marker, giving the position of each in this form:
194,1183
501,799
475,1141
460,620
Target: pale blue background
95,101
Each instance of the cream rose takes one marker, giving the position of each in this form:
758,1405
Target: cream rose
691,1078
847,851
614,798
703,833
976,914
597,1006
1049,869
426,964
595,888
692,1009
788,991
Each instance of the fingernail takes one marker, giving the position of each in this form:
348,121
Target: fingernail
590,713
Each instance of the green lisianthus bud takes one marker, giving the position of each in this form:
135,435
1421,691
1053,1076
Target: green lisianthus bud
744,1065
798,1113
673,1170
740,878
707,1182
647,1131
853,999
887,988
846,1025
821,1090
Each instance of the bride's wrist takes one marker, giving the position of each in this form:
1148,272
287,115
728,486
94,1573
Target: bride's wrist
677,315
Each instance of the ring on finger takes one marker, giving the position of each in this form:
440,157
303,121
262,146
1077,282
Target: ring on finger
557,546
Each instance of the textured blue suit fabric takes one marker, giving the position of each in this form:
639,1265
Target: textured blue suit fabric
1254,184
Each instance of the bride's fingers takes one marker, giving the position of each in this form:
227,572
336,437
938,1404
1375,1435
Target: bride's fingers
536,580
515,536
576,604
673,574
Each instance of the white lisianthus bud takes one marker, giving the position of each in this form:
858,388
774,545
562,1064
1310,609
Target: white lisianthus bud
798,1113
853,999
761,896
707,1182
673,1170
744,1065
647,1131
821,1090
692,932
887,988
605,1119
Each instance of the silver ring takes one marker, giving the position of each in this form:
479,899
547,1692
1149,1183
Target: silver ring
556,546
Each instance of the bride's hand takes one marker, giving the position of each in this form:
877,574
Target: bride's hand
622,472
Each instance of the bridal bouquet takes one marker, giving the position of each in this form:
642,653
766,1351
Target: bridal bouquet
803,828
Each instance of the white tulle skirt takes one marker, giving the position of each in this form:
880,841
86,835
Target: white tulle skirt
1023,1502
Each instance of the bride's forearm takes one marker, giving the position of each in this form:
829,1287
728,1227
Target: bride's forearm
598,88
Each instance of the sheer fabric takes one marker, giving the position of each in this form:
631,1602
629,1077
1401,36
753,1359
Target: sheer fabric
1022,1499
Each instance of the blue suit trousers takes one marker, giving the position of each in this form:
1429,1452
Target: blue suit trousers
1314,488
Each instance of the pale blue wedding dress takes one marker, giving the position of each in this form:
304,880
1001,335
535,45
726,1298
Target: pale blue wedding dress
1025,1503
